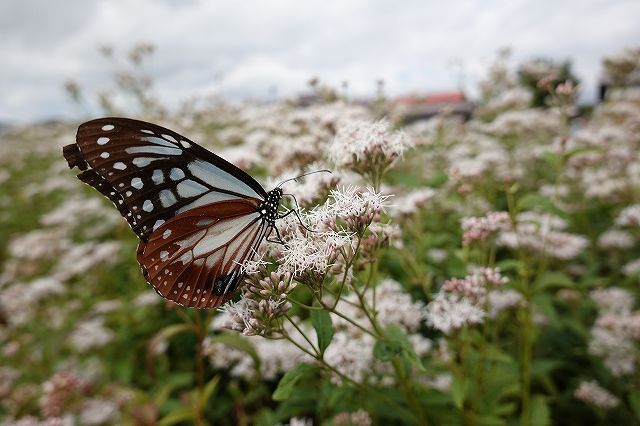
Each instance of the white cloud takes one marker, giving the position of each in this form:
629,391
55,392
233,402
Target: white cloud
242,49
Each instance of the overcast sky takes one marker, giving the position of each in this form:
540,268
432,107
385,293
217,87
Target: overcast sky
243,48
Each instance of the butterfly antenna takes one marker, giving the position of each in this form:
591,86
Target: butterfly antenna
302,175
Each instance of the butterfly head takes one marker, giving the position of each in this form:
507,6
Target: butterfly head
269,209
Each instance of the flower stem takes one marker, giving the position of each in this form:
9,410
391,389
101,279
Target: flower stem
200,335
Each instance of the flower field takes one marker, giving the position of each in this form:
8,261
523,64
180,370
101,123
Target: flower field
446,272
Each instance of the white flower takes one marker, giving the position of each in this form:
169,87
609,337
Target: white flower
351,356
449,311
629,216
615,239
539,233
147,298
362,141
498,301
394,306
592,393
613,300
480,228
90,334
99,411
441,382
631,268
412,202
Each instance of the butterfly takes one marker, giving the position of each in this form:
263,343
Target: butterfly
198,217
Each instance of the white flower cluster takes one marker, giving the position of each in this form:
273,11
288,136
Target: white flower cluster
332,226
539,233
629,216
21,301
592,393
616,331
451,311
481,228
276,356
412,202
499,301
362,142
90,334
615,239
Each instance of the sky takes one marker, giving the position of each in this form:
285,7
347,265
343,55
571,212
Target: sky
255,48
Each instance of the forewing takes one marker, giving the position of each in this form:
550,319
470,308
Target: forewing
153,174
195,258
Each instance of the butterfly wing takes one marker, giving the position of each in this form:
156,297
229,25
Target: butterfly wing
152,174
194,259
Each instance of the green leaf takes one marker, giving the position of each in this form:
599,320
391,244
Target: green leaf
508,265
321,321
173,382
550,279
489,420
552,158
634,402
385,350
179,416
495,354
539,414
237,341
458,391
208,390
161,336
288,382
537,201
544,302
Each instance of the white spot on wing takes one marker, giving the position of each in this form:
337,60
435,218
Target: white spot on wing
167,198
188,188
137,183
164,255
119,166
104,155
147,206
157,177
185,144
185,258
154,150
158,224
189,241
146,131
166,234
169,138
102,140
159,141
207,172
107,127
145,161
176,174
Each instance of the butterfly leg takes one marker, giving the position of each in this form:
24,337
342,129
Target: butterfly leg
295,211
279,240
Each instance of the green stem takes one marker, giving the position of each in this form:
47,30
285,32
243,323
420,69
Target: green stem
302,333
200,335
398,367
525,317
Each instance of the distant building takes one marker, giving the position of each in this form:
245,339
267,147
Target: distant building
411,108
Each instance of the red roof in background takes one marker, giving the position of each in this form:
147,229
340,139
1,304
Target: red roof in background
432,98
